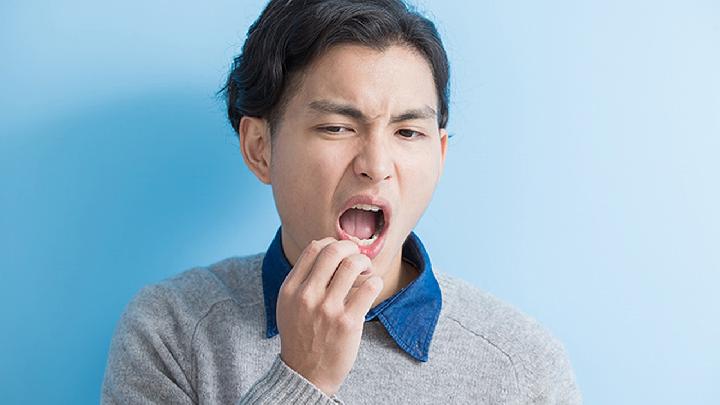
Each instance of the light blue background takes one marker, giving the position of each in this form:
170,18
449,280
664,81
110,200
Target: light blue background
581,184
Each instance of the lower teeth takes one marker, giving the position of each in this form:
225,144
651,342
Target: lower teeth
364,242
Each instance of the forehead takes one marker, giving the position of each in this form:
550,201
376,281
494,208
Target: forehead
378,82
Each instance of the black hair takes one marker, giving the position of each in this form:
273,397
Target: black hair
289,34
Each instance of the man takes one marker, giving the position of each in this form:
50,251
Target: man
341,106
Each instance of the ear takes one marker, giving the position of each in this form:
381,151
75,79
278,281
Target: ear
443,148
255,145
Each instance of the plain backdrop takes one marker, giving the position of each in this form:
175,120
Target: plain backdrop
582,182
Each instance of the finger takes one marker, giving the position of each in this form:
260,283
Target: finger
327,262
346,275
306,260
360,301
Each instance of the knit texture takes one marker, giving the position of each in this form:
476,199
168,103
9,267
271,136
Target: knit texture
199,337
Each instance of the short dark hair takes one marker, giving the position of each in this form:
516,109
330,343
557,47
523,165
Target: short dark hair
289,34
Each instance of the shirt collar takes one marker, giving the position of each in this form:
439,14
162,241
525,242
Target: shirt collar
409,316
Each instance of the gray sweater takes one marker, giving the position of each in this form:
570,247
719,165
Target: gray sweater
199,337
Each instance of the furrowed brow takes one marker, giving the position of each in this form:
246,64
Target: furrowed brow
328,107
416,114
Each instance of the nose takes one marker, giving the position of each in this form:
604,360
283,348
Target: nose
374,161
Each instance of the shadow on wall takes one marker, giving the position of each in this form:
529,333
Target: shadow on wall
98,204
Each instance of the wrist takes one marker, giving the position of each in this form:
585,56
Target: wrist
328,389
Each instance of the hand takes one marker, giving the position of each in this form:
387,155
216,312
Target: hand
321,311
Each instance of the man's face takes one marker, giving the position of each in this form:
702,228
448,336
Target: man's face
361,128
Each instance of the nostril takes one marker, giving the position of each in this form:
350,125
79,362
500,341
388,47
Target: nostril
380,176
371,177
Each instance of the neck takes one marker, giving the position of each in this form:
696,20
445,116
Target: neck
401,274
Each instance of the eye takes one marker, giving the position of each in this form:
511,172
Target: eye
335,129
410,134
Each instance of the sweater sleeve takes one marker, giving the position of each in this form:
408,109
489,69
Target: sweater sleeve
283,385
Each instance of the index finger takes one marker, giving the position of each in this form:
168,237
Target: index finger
306,260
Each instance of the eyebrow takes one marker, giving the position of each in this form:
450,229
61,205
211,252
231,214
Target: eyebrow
330,107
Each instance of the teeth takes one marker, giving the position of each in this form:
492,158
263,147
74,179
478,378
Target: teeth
366,207
364,242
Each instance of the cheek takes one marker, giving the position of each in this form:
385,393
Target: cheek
304,179
310,173
420,177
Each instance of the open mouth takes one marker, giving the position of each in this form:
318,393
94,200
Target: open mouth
365,224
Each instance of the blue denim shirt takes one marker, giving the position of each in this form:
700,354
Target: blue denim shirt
409,316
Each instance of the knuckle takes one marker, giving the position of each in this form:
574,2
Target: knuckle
333,249
287,290
348,264
284,291
346,322
373,284
314,247
328,309
305,299
318,244
356,264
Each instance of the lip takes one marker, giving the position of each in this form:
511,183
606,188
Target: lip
374,249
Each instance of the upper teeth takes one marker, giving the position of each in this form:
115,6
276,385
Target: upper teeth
366,207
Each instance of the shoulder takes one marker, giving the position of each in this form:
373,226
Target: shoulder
541,365
179,302
484,313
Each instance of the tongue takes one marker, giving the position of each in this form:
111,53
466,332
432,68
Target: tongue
358,223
